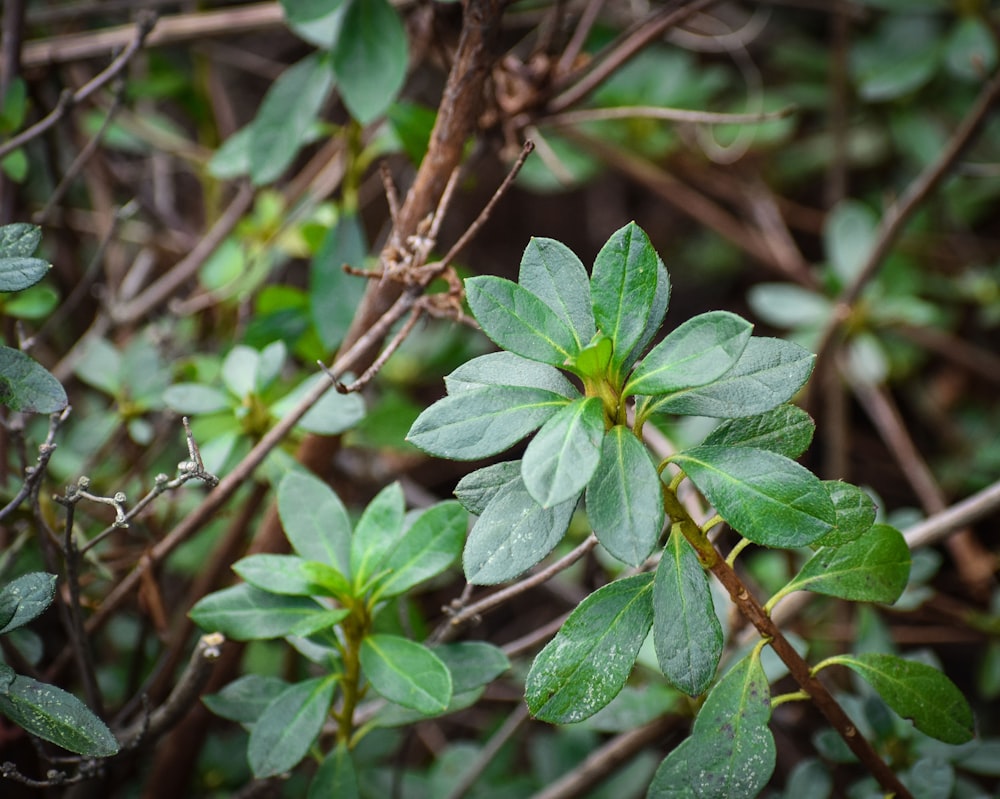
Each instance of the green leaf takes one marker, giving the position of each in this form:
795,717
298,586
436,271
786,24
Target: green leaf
917,692
765,497
56,716
899,57
412,123
19,240
562,457
370,57
331,414
26,386
239,370
971,51
849,235
594,359
472,664
623,288
245,698
406,673
661,300
336,776
289,108
278,574
687,635
333,294
768,374
325,619
625,498
25,598
551,271
100,366
508,369
587,663
232,159
872,568
855,513
482,421
20,272
245,613
476,490
328,581
786,430
699,351
193,399
731,749
519,321
315,520
785,305
282,735
377,533
427,548
316,21
513,534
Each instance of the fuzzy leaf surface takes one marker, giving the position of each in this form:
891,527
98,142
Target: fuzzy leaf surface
476,490
562,457
917,692
377,533
245,698
277,574
768,374
587,663
551,271
855,513
513,533
519,321
427,548
699,351
406,673
245,613
27,386
765,497
482,421
687,635
286,729
315,520
19,272
336,776
508,369
623,288
624,498
787,430
25,598
658,311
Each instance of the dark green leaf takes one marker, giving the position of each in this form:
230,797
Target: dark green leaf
625,498
245,613
472,664
971,50
508,369
56,716
519,321
333,294
427,548
482,421
25,598
855,513
335,777
661,300
7,675
377,533
20,272
687,634
26,386
699,351
370,57
512,534
19,240
406,673
623,288
325,619
289,108
316,21
731,750
562,457
245,698
412,123
810,777
787,430
917,692
286,729
553,273
765,497
872,568
477,489
315,520
768,374
587,663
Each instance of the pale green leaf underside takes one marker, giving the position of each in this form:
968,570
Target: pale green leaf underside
552,272
508,369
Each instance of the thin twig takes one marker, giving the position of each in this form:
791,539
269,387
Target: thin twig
384,356
658,112
68,99
579,38
489,751
34,474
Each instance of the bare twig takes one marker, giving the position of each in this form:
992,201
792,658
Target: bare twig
944,523
68,99
379,362
34,474
490,749
579,38
658,112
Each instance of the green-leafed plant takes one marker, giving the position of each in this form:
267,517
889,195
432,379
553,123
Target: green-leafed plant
25,385
575,368
328,600
45,711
